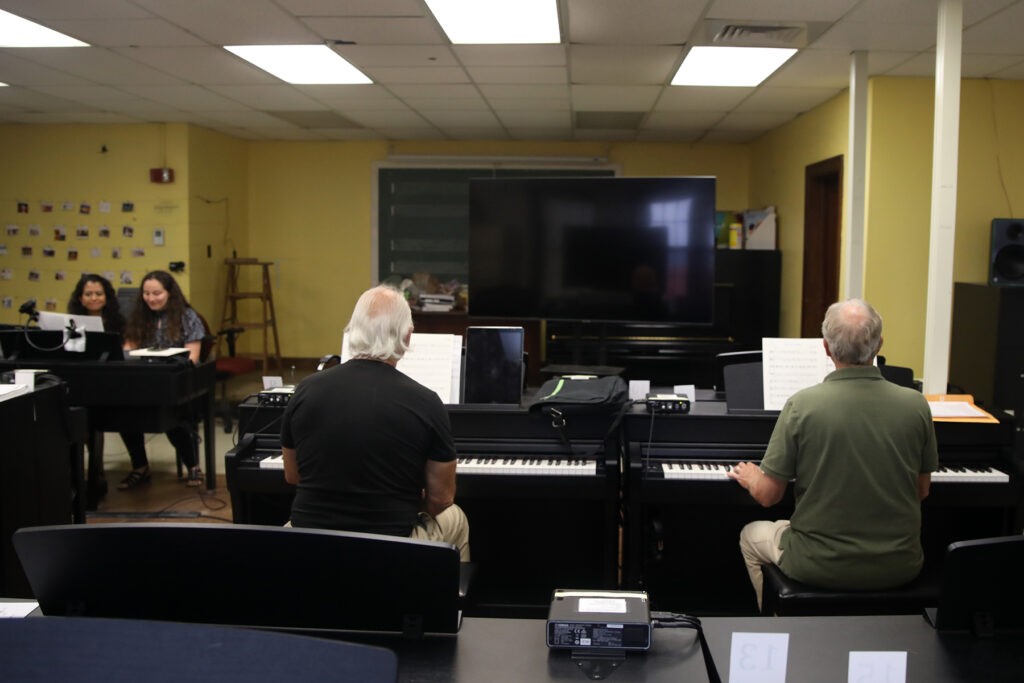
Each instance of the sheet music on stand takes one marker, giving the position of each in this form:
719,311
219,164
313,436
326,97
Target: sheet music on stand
433,360
790,365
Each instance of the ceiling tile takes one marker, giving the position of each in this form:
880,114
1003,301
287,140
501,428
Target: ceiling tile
612,98
617,64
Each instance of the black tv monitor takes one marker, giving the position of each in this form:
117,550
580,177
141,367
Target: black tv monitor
280,578
595,249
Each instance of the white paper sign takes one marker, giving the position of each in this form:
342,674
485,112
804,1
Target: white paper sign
877,667
758,657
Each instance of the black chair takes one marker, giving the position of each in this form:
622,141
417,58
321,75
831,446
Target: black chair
981,588
228,367
786,597
281,578
104,650
897,374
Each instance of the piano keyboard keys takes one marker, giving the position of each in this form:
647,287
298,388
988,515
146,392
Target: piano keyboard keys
696,470
970,475
275,462
957,474
526,466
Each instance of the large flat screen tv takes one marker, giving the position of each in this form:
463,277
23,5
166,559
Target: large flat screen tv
593,249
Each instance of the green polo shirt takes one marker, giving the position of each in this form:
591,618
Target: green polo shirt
854,446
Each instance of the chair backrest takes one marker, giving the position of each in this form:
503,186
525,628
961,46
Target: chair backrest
246,575
93,650
981,588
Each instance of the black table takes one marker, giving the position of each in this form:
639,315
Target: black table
514,650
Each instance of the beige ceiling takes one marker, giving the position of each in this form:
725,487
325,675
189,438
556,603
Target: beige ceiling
161,60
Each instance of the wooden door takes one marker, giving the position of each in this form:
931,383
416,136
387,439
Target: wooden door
823,205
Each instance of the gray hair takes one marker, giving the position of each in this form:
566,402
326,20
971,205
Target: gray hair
853,330
381,321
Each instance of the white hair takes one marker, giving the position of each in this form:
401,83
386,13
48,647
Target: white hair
380,325
853,330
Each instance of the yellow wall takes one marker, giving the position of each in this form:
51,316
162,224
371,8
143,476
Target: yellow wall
66,165
219,225
780,159
311,213
990,184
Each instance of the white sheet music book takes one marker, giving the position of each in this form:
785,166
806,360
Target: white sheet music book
433,360
790,365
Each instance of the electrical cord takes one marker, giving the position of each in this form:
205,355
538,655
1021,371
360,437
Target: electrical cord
675,620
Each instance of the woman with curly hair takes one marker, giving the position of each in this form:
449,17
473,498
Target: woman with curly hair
94,295
162,318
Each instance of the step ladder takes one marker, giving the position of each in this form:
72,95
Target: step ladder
233,295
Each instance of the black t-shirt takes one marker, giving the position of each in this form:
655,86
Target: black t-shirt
363,432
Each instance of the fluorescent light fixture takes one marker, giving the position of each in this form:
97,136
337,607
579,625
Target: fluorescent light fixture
18,32
489,22
730,66
301,64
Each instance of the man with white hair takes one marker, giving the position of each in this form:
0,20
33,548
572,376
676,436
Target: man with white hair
368,448
860,452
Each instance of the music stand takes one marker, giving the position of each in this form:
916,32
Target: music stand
35,344
744,388
981,590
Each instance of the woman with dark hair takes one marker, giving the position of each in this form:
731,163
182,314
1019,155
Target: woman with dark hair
94,295
162,318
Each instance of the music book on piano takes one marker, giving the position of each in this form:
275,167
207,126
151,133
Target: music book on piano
433,360
158,353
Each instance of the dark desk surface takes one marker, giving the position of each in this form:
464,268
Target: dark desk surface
514,650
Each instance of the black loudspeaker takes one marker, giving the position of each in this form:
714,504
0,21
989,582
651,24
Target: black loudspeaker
1006,263
986,351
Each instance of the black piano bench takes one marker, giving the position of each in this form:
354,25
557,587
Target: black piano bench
786,597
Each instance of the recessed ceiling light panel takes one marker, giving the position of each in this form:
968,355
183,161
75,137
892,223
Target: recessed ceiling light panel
301,64
18,32
489,22
730,66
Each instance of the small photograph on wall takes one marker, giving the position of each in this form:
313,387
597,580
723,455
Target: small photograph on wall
22,207
104,207
67,205
60,276
46,206
50,305
127,207
34,230
115,252
82,232
60,233
6,274
72,254
11,230
33,276
49,252
109,274
3,250
7,302
103,231
127,231
126,277
85,208
95,252
138,252
26,252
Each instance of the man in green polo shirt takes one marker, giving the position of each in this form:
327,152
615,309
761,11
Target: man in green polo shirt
860,452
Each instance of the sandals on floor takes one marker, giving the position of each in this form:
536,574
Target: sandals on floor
195,477
134,478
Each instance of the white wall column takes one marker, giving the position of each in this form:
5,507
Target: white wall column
938,311
856,163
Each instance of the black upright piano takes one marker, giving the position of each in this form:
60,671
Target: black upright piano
543,503
142,395
685,515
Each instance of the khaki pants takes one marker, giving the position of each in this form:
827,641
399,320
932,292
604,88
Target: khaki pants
451,526
759,543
